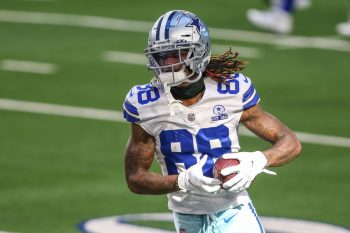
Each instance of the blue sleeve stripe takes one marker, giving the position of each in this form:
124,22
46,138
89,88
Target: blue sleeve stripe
253,102
130,108
130,118
248,93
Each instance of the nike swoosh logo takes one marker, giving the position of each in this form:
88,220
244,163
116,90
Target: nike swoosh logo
227,220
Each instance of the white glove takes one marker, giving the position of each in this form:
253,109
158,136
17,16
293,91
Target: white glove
251,164
193,179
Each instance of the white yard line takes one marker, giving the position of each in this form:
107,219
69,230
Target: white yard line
116,116
143,26
125,57
281,40
318,139
140,59
28,66
60,110
74,20
39,1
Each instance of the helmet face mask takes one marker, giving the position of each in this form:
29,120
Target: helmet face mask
180,56
181,35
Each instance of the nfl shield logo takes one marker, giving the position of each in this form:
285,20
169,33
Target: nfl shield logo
191,117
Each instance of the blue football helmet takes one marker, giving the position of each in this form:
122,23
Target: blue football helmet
176,32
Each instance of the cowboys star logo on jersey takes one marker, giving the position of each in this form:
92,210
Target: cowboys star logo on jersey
219,111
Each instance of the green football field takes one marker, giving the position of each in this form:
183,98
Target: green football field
61,165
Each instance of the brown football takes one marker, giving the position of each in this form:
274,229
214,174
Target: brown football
221,164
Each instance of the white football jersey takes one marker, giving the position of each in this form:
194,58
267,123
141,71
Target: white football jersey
184,134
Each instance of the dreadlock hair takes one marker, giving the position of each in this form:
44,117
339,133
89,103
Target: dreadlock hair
222,66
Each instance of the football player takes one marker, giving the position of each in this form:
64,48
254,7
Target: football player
279,17
187,117
344,27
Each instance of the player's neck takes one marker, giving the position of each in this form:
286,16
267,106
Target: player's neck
189,93
192,101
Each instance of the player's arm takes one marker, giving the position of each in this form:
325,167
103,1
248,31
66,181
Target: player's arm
139,155
285,147
285,144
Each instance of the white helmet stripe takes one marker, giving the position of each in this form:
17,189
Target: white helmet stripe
163,25
167,26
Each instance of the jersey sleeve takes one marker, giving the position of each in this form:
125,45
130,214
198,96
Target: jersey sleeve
250,97
130,111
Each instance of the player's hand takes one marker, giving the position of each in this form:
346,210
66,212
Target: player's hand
251,164
193,179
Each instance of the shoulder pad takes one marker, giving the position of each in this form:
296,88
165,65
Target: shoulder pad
137,97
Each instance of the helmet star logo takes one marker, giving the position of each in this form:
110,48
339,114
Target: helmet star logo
195,23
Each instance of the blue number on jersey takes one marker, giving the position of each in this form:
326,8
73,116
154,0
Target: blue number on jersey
220,134
147,94
184,140
231,86
212,141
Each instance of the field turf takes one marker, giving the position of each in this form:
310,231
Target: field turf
56,171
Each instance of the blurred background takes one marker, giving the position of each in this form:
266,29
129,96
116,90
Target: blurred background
66,66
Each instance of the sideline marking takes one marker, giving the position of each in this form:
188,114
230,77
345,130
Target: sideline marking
144,26
116,116
122,223
27,66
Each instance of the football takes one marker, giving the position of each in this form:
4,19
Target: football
221,164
